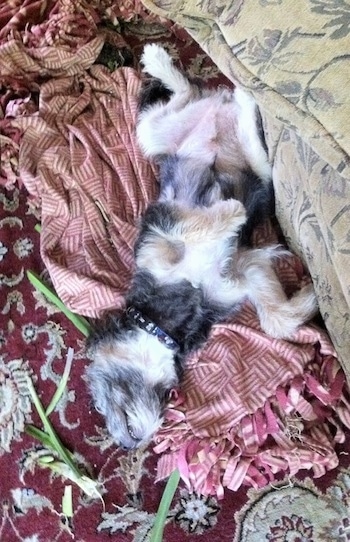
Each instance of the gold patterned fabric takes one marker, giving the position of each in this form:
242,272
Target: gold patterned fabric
294,56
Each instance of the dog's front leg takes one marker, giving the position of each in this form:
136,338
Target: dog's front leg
216,223
279,316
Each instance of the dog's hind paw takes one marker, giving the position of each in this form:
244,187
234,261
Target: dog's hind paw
284,320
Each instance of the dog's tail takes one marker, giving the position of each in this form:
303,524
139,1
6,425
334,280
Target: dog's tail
159,64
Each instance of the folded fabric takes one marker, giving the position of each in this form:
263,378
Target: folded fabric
79,157
252,407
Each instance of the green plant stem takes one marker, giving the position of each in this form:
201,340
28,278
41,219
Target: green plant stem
163,510
79,321
55,442
63,383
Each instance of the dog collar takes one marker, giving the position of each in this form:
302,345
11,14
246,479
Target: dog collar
150,327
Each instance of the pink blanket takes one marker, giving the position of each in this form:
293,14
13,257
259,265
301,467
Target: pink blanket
251,407
80,158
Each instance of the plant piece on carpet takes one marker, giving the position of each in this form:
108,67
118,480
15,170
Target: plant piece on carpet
59,459
79,321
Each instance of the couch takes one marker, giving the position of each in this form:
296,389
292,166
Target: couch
294,57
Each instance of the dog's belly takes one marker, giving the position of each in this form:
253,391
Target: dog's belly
204,130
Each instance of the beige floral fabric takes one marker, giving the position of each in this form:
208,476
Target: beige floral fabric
294,56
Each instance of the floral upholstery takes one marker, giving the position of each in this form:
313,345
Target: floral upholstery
294,56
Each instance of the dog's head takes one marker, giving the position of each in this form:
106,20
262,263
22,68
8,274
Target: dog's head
130,380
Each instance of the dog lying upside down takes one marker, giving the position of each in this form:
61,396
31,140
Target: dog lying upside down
194,262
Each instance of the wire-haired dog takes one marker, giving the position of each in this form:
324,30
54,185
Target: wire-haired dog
191,268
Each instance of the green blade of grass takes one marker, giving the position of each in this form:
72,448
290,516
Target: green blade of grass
79,321
63,383
156,534
38,434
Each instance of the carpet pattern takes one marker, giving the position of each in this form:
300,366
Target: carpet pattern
35,337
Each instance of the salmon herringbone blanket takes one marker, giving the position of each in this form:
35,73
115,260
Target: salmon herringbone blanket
79,158
251,407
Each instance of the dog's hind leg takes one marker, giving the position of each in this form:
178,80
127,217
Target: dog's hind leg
282,319
219,222
156,132
249,137
193,244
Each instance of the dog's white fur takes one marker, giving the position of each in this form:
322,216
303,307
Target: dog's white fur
219,128
199,249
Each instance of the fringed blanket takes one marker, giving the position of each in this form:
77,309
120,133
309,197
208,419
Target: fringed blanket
251,407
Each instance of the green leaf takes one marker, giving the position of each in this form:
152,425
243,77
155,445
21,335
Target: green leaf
63,383
156,534
79,321
39,435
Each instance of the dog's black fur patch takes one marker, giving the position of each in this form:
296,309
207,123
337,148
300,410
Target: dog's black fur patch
179,309
207,186
152,91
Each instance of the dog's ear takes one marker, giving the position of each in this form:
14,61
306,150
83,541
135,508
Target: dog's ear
102,328
99,387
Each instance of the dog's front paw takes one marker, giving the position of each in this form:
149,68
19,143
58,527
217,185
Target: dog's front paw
155,59
231,212
283,320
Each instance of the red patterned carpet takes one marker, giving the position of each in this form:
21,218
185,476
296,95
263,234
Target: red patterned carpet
35,337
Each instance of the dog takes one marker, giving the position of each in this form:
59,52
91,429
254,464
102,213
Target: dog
208,144
194,262
190,274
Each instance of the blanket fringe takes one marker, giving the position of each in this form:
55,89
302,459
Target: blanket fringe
297,429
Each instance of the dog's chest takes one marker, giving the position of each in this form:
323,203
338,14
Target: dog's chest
202,265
